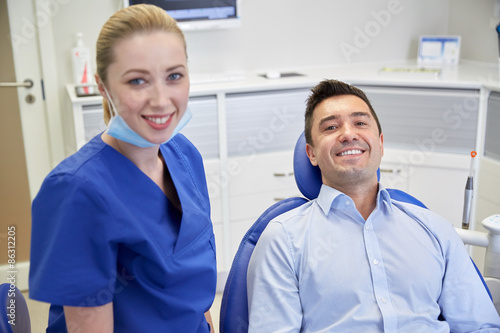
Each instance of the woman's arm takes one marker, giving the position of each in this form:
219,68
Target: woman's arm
97,319
209,320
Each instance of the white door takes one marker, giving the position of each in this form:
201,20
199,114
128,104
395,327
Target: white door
25,157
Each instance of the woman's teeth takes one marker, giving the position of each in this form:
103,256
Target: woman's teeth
157,120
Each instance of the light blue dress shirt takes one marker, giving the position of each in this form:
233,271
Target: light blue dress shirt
322,268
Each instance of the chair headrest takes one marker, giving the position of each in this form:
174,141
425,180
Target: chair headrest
307,176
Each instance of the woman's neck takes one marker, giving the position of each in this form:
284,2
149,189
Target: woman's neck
146,159
150,162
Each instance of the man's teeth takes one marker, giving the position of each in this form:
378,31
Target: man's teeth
350,152
159,121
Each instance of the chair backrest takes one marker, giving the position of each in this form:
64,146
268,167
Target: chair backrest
234,306
15,316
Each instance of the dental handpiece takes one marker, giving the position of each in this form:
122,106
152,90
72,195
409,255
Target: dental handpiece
469,187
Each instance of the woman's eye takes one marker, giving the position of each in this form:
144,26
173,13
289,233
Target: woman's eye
174,76
136,81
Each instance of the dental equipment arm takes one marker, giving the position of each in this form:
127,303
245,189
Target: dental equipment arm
489,240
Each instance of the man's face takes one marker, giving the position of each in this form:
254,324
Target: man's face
347,146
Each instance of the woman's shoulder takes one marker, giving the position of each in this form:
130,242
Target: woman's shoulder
183,150
84,162
182,145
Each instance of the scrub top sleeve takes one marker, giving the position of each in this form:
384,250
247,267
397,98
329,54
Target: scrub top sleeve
72,259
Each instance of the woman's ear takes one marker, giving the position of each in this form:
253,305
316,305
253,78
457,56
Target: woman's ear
100,86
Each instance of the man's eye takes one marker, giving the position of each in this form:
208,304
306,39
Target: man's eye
331,128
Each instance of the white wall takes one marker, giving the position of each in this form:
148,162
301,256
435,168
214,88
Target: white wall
284,33
474,21
289,34
296,33
280,33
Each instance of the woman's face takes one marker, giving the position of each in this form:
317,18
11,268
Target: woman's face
149,83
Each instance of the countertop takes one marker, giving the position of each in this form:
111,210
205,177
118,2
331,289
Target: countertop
467,75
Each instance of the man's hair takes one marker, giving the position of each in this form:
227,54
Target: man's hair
331,88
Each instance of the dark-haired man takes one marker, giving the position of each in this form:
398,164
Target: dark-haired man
353,260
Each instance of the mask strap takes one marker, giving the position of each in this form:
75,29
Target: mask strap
113,108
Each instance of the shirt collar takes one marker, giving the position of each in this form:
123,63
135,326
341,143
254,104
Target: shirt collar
327,196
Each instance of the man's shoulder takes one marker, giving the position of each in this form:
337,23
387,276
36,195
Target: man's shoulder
296,218
426,217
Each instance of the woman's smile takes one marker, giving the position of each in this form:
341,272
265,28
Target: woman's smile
159,122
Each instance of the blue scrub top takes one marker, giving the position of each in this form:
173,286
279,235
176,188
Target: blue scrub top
103,231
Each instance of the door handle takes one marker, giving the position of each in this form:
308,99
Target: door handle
27,84
395,171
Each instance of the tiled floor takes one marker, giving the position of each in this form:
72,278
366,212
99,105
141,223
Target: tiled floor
39,313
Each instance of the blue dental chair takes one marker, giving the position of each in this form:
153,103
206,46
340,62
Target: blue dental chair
234,306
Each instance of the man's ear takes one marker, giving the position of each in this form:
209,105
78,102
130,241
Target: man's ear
382,142
311,155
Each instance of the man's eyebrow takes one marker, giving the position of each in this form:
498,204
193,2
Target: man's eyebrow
361,114
330,117
352,115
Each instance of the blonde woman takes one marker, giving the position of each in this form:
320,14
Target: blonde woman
122,239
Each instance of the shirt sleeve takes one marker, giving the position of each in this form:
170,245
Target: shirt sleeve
272,284
465,303
72,260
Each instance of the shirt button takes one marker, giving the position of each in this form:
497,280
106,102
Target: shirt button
347,203
375,261
384,300
367,227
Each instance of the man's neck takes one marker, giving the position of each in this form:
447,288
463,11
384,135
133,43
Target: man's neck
364,197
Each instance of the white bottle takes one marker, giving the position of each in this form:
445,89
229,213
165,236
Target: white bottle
82,71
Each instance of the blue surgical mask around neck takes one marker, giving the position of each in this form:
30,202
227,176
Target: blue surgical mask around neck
120,130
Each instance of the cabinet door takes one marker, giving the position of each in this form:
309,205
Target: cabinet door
394,175
202,130
441,189
258,183
488,185
429,120
492,135
261,122
93,121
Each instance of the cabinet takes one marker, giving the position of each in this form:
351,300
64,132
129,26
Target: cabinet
438,180
428,137
488,175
